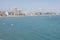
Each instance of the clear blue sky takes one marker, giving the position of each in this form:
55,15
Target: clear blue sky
31,5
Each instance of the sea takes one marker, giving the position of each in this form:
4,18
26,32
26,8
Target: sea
30,28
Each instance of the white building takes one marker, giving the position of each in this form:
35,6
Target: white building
6,13
16,11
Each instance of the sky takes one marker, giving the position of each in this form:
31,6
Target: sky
31,5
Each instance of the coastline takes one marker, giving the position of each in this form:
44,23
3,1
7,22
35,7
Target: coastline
27,16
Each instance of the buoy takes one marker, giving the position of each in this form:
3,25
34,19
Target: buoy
12,24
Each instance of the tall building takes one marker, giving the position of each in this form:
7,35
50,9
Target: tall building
16,11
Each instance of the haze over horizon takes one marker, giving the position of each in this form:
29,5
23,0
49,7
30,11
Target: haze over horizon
31,5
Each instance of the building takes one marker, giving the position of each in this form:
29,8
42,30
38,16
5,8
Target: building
16,11
11,13
2,13
20,13
6,13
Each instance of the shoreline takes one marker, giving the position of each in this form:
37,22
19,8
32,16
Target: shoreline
27,16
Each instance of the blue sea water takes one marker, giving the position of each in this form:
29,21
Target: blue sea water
30,28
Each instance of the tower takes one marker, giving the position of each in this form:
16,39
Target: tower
16,11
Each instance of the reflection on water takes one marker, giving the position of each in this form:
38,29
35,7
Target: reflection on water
30,28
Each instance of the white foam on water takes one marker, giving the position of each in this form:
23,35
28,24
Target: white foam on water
12,24
3,23
1,39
